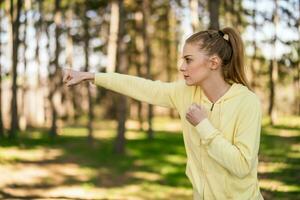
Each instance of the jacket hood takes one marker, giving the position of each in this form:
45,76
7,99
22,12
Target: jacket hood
235,89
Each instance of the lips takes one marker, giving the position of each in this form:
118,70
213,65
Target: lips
185,76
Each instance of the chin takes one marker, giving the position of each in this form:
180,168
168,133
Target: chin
189,83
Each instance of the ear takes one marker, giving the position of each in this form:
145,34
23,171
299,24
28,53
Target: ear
215,62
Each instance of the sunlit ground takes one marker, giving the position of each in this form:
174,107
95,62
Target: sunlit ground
70,168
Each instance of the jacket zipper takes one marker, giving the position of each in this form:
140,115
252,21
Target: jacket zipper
212,107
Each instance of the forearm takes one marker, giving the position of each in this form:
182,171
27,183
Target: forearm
146,90
239,155
237,158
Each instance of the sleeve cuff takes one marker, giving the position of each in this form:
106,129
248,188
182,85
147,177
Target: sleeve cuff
206,131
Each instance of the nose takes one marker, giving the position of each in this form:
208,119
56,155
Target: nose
182,67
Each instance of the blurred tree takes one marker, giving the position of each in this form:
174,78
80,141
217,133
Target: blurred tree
112,50
77,98
273,67
38,28
54,71
172,42
213,7
87,63
22,117
113,37
135,57
297,68
70,94
254,60
1,120
153,31
233,14
15,23
291,61
121,67
147,60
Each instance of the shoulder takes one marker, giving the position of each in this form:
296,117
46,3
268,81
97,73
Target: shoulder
250,102
251,98
249,110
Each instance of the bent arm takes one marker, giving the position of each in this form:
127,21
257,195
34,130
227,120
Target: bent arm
239,157
153,92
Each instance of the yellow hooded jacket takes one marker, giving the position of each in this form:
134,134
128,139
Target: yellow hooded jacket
222,150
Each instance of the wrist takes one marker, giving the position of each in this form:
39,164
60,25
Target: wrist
88,76
199,121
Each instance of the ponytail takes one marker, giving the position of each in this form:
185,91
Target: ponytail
228,45
235,69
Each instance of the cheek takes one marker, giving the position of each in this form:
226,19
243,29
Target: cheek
198,73
196,70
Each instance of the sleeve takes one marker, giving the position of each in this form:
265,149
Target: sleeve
159,93
238,158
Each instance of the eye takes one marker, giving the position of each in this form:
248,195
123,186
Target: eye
188,60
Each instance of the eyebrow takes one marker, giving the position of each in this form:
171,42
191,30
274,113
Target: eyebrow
186,56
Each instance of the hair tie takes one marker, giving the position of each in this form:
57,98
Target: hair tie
223,35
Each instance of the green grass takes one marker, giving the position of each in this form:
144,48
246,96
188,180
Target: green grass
148,170
280,159
155,167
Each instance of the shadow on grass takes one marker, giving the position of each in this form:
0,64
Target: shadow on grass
14,196
161,161
276,149
163,158
285,127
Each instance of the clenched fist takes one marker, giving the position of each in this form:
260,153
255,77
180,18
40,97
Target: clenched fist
72,77
195,114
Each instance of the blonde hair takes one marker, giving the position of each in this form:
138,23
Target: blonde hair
228,45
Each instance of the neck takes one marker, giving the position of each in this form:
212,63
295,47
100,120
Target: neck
214,90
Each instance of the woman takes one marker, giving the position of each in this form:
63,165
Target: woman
220,115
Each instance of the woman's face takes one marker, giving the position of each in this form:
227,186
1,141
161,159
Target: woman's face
195,65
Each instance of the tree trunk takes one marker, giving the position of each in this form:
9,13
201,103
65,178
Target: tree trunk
297,71
54,77
147,56
86,55
273,71
38,27
139,62
296,85
71,92
172,51
23,120
113,36
253,59
1,120
122,67
271,95
213,6
139,103
15,19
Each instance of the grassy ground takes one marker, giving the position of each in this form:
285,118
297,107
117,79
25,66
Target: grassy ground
280,159
35,167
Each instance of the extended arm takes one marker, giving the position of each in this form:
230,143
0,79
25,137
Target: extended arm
153,92
159,93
